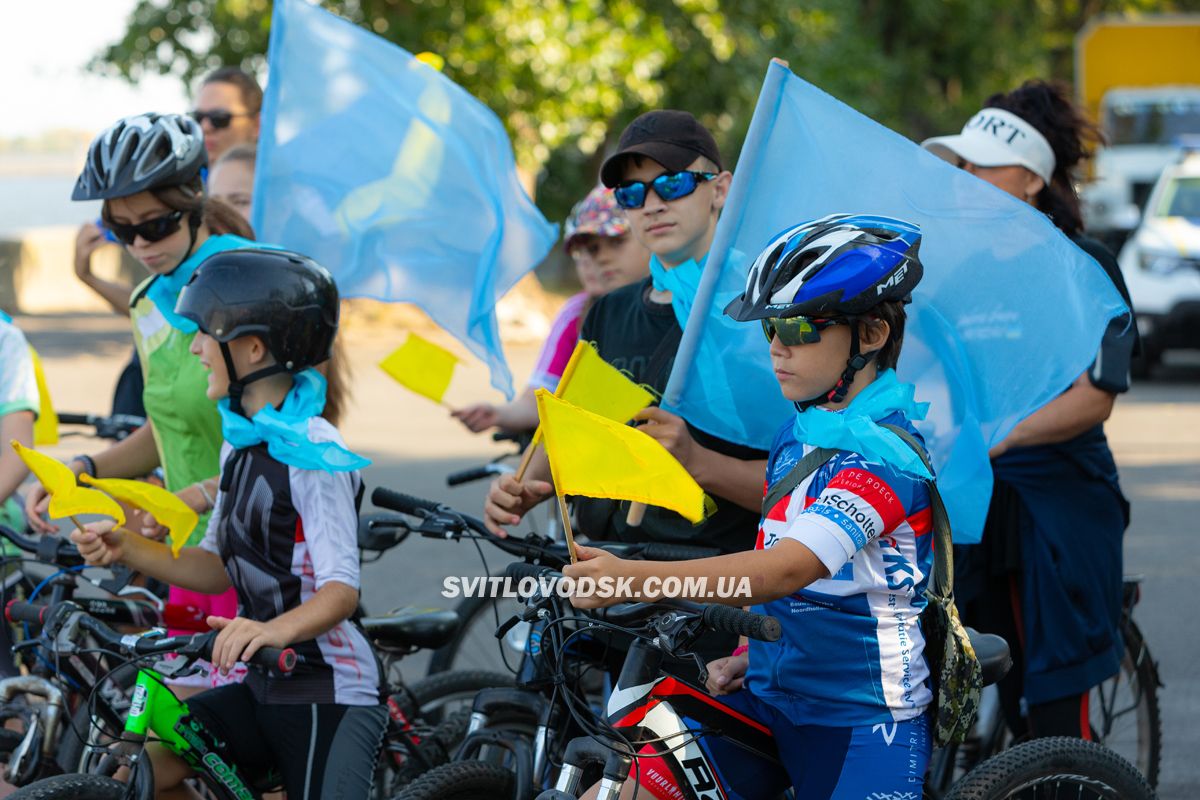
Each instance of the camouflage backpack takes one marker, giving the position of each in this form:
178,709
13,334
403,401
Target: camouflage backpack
956,675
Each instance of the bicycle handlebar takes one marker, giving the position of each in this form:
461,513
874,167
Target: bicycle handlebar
474,474
199,645
51,549
726,619
404,503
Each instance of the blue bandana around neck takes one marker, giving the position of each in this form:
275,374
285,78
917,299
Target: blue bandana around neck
164,289
285,430
681,281
854,428
5,318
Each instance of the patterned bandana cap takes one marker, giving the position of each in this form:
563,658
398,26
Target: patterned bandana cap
597,214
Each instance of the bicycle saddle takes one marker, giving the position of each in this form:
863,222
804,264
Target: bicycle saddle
995,659
412,627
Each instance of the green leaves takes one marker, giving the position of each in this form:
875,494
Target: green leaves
565,76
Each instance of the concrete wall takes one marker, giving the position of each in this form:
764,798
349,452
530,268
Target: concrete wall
37,273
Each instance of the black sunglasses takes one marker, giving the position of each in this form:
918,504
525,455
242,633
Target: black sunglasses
152,230
794,331
219,118
669,186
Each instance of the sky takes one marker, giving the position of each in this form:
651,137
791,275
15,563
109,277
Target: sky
44,46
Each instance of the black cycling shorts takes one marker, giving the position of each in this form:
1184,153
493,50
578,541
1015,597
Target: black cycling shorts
321,750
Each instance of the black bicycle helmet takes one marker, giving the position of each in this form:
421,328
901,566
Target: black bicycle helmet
148,151
286,299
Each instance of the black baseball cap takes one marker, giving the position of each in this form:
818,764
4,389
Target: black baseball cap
672,138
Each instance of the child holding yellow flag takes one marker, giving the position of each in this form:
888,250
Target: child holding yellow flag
283,534
844,550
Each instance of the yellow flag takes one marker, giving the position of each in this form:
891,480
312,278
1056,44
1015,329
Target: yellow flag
45,430
591,383
593,456
171,512
67,498
422,366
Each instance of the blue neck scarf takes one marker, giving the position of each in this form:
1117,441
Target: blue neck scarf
5,317
854,428
681,281
285,430
164,289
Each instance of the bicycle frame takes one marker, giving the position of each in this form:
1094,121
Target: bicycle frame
157,710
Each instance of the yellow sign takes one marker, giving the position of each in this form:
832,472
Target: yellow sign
1135,53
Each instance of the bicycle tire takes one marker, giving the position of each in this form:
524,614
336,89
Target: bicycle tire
1140,673
478,619
72,787
1082,770
434,694
463,780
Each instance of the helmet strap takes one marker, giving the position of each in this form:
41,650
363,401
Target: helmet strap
237,386
854,363
195,217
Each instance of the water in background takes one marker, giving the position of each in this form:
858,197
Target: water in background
31,201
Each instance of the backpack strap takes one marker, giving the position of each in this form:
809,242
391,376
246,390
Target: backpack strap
784,486
942,583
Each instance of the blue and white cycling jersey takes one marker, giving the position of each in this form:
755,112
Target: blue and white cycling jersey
852,652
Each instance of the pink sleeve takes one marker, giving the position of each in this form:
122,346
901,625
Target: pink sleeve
556,352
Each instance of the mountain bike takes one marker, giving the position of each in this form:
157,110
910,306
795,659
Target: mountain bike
474,646
154,711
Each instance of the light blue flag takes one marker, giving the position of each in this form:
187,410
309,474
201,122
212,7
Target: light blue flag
1010,312
393,177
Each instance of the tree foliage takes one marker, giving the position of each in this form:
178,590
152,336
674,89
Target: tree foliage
566,75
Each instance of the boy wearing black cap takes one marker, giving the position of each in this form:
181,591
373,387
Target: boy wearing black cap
668,177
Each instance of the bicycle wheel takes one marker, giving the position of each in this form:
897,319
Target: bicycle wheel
72,787
1056,768
475,646
1123,711
464,780
442,694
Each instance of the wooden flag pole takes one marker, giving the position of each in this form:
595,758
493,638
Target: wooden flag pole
637,512
566,520
526,458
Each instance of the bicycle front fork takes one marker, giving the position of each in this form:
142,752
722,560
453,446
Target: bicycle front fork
580,753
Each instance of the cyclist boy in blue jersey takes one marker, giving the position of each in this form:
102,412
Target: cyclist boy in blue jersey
283,534
844,552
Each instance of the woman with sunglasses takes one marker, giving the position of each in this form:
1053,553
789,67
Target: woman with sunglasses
1047,575
148,171
844,549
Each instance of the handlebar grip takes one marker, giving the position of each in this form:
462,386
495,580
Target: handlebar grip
401,502
669,551
742,623
20,611
66,418
468,475
279,661
519,570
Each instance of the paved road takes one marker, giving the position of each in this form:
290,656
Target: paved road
1155,432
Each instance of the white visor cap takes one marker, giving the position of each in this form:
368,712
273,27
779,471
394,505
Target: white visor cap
997,138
